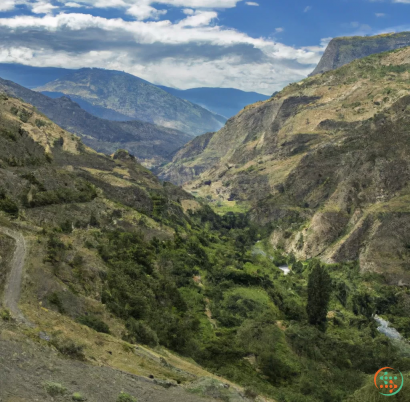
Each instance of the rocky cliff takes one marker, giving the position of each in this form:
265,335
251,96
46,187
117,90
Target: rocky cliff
325,162
341,51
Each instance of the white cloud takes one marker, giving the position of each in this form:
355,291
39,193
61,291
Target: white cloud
279,30
207,50
42,7
402,1
252,3
144,11
72,5
379,15
199,18
307,9
6,5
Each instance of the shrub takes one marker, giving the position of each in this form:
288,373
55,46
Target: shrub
9,206
54,388
40,123
54,299
78,397
141,332
123,397
94,323
5,315
25,115
69,348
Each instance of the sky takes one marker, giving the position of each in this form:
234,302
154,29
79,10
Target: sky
259,45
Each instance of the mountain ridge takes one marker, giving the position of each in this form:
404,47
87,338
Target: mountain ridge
274,156
150,143
343,50
136,98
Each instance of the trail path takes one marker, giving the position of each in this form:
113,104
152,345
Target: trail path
13,284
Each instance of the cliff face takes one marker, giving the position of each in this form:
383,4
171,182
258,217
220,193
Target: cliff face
341,51
326,162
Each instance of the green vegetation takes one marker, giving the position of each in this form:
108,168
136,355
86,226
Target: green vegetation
68,347
54,388
94,323
319,291
78,397
207,296
124,397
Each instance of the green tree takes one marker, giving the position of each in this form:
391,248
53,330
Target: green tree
319,291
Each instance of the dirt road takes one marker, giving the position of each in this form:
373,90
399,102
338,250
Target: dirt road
13,285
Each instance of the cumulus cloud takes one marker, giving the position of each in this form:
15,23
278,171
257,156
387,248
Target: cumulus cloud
195,51
252,3
379,15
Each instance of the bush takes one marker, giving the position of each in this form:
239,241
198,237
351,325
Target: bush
40,123
9,206
69,348
141,332
55,300
123,397
94,323
54,388
78,397
5,315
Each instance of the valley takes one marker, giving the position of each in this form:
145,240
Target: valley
268,261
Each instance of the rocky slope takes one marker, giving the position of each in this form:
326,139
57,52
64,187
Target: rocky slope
341,51
61,197
135,98
151,144
325,162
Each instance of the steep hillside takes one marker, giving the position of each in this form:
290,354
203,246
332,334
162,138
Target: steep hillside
135,98
223,101
150,143
341,51
325,162
131,288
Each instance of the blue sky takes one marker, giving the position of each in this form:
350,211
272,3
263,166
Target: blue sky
259,45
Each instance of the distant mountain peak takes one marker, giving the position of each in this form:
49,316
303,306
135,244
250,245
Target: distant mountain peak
343,50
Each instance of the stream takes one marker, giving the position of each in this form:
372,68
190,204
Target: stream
383,325
384,328
284,268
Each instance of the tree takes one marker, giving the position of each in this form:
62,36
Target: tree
319,291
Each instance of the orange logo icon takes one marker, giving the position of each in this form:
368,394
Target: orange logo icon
388,381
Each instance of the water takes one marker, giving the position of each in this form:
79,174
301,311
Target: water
384,328
284,268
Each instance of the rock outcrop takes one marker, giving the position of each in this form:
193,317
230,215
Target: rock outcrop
341,51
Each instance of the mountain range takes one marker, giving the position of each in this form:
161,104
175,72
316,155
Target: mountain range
225,101
119,287
150,143
136,99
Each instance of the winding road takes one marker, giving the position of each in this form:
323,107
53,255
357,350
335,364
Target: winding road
12,289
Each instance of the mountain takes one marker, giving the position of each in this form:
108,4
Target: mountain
29,76
223,101
135,98
325,162
151,144
116,287
341,51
